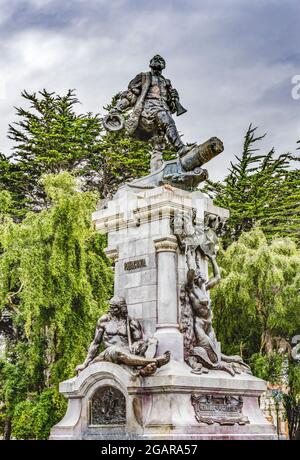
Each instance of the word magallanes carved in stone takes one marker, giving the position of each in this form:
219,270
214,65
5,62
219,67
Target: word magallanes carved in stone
152,101
134,264
123,343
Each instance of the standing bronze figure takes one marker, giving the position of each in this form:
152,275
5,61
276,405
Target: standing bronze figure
153,100
150,102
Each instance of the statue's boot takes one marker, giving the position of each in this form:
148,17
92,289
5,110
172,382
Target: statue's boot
175,139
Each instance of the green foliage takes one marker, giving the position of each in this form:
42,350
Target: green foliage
294,382
268,367
8,193
278,369
5,203
50,137
121,159
260,188
259,293
54,283
36,415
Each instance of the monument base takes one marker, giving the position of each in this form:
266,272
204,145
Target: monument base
108,401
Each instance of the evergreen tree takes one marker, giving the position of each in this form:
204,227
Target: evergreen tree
259,189
5,204
50,137
121,159
4,170
10,178
54,282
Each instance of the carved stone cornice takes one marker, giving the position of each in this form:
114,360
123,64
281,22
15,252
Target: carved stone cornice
112,254
150,206
166,244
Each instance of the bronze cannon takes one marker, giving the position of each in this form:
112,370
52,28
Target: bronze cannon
185,172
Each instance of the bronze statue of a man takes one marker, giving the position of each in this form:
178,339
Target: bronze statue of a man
145,110
123,342
153,100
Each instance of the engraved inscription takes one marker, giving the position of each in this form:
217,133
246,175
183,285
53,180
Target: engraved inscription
224,410
107,407
134,264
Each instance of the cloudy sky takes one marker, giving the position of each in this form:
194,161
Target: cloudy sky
232,61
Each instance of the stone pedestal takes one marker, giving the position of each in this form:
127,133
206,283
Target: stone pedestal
160,407
149,272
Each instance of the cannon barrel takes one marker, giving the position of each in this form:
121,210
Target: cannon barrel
201,154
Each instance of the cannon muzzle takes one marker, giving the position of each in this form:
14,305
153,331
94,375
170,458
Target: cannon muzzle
201,154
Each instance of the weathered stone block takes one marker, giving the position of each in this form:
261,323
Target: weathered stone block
148,277
135,311
144,246
141,294
133,279
149,310
149,326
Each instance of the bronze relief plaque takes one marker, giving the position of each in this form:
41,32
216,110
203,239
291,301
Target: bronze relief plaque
224,410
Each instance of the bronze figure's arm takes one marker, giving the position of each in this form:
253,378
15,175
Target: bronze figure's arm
173,100
190,279
94,346
217,275
128,98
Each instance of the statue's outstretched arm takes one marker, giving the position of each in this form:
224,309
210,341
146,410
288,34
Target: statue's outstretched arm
94,346
217,275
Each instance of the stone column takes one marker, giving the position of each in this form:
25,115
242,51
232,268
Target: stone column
167,333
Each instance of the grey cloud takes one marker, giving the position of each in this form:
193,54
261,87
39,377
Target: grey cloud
231,60
24,15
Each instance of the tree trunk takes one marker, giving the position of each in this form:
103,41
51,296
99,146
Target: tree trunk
7,429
